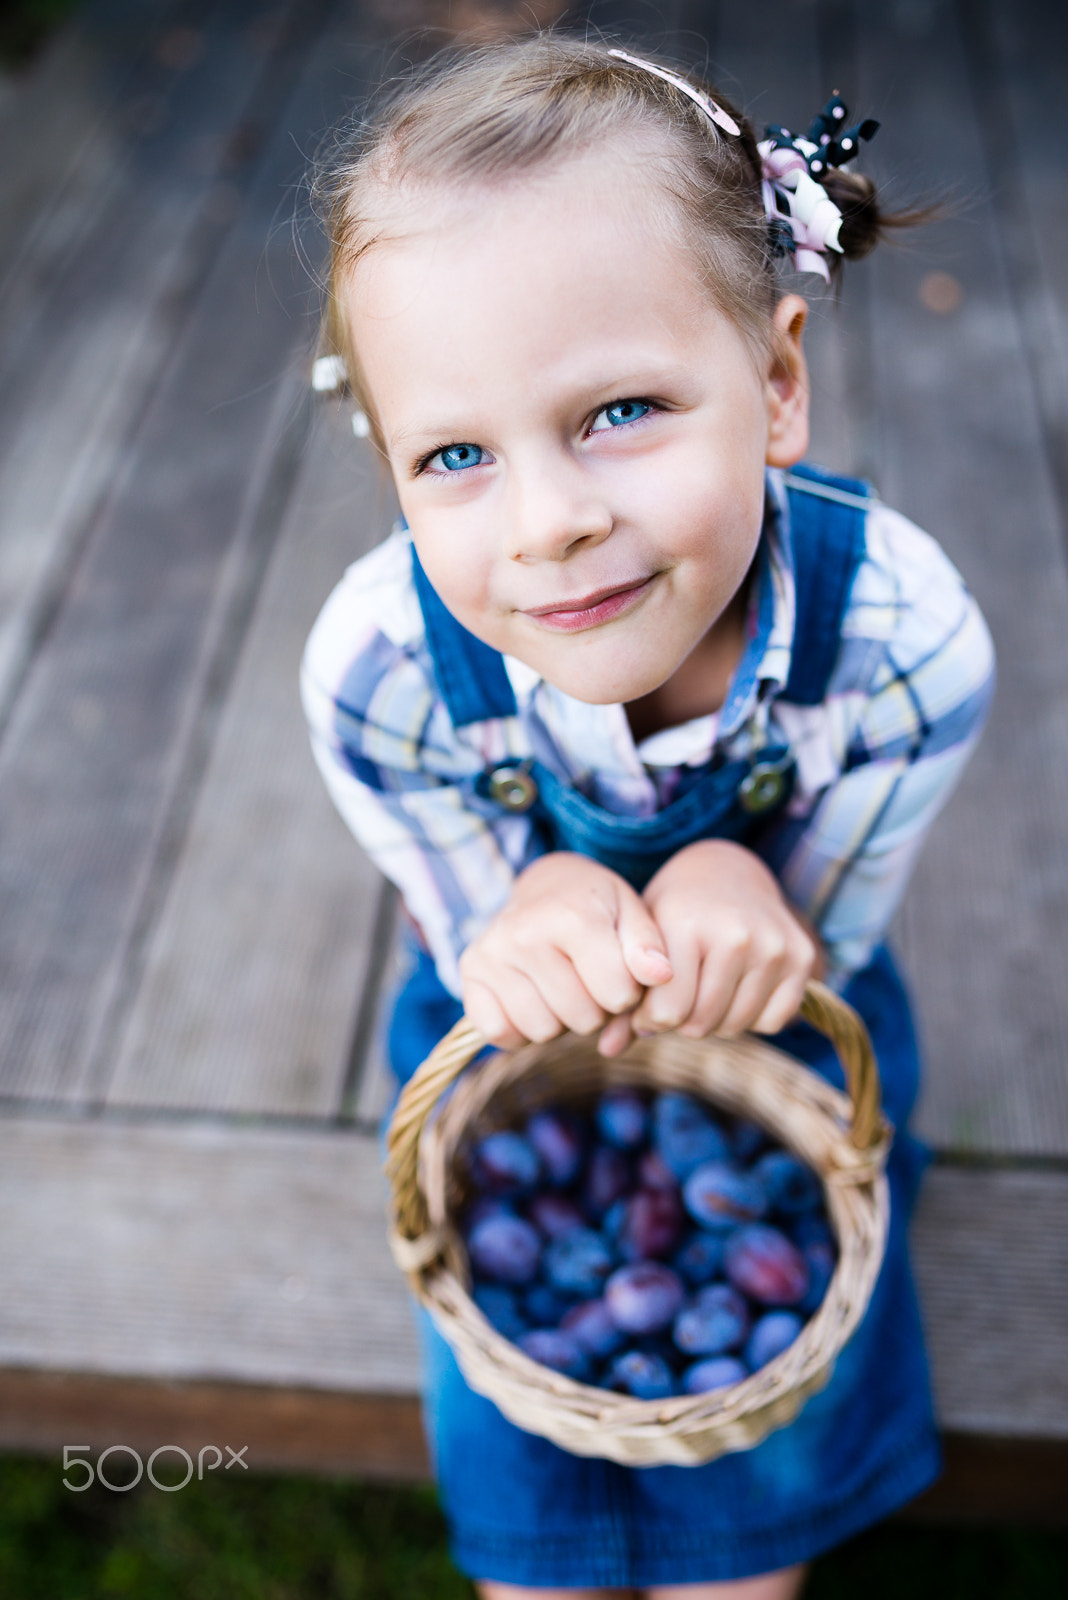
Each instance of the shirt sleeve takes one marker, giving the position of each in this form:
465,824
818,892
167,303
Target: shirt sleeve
402,780
909,703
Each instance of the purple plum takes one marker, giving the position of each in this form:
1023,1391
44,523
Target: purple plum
700,1259
590,1323
505,1164
790,1186
641,1374
555,1215
578,1263
649,1225
543,1307
622,1118
644,1297
505,1249
717,1195
556,1349
684,1134
772,1334
499,1306
608,1178
714,1372
747,1139
715,1321
654,1172
822,1259
762,1263
557,1137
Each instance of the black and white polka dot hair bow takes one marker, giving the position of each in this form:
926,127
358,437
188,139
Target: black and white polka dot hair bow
803,219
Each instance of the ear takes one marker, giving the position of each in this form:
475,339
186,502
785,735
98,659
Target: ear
787,386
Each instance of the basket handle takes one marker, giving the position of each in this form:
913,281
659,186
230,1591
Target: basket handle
826,1011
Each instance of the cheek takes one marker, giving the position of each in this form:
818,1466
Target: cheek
459,568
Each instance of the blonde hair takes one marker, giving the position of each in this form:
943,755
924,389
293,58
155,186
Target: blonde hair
493,114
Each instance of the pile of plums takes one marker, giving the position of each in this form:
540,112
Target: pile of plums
649,1245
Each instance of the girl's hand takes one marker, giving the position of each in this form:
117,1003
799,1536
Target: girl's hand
741,955
574,946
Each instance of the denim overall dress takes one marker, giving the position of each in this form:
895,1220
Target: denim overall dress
520,1509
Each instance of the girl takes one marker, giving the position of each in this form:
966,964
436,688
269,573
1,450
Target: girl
646,722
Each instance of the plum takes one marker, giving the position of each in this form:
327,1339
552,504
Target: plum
684,1134
700,1257
822,1259
622,1118
654,1172
500,1307
790,1186
762,1263
772,1334
555,1214
607,1179
717,1195
590,1323
714,1372
505,1249
558,1138
543,1306
747,1139
578,1263
644,1297
715,1321
556,1349
641,1374
648,1225
505,1164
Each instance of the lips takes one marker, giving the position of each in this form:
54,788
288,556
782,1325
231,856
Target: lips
587,611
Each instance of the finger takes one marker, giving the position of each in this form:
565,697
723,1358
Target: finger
669,1004
784,1005
767,967
642,943
524,1007
560,984
595,954
484,1010
721,972
615,1037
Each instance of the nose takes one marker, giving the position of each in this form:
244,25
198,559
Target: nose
553,510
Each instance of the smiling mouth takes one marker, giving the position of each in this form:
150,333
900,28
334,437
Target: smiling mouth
571,616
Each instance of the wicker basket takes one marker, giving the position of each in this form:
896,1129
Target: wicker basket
843,1138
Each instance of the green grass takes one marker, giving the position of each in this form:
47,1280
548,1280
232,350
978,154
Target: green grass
278,1538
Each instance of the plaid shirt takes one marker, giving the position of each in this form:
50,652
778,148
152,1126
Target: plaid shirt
875,761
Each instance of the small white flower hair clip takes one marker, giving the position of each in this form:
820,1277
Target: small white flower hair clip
712,111
804,221
329,375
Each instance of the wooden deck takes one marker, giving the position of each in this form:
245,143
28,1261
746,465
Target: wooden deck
191,1234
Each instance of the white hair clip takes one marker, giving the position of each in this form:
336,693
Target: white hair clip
328,374
713,112
361,425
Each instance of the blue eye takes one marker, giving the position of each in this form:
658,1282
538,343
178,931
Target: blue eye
455,457
618,413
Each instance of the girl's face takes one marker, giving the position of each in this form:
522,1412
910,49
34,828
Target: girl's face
578,435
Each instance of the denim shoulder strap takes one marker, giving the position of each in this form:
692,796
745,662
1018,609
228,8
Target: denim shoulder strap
470,674
827,516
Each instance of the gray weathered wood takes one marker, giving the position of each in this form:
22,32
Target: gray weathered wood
254,971
963,454
200,1251
209,1251
97,761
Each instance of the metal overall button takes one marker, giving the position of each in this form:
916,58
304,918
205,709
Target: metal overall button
764,787
513,788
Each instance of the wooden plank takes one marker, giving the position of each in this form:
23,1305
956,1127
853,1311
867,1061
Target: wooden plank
284,1429
200,1251
94,306
104,750
963,454
194,1252
991,1254
254,971
1020,1482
